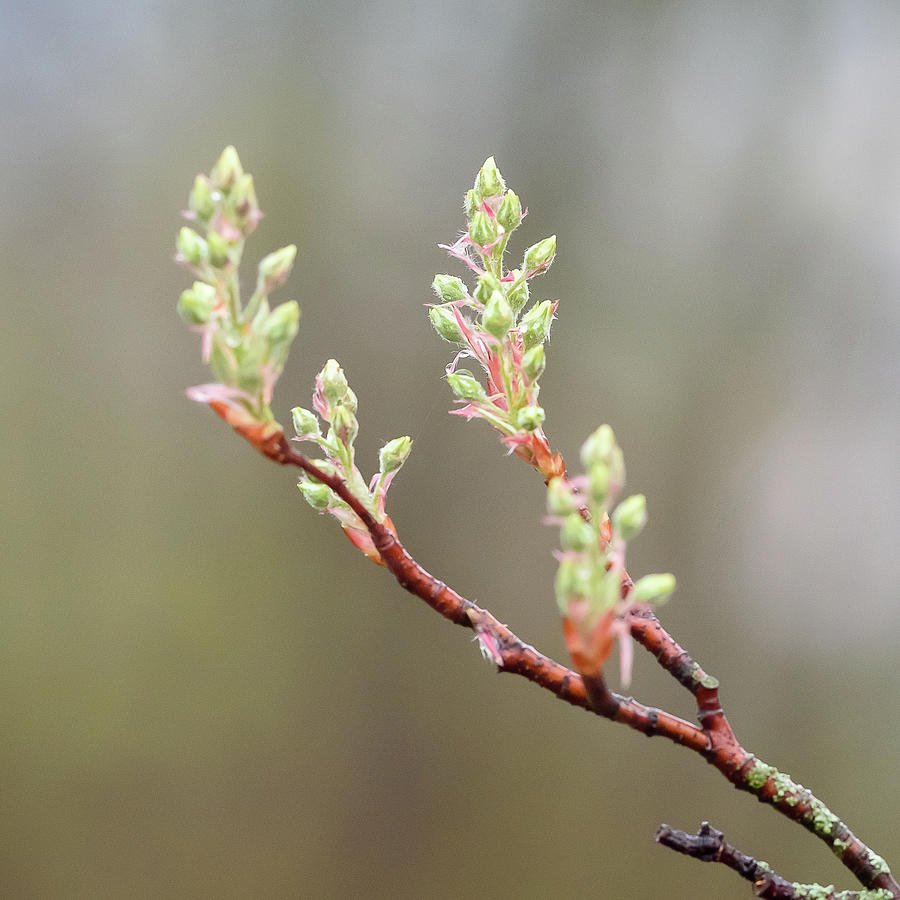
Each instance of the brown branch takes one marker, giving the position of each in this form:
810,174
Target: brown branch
715,741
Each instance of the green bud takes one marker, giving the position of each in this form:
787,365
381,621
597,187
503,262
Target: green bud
630,517
576,534
598,477
243,196
444,323
334,382
345,425
510,213
394,453
560,499
317,495
482,229
653,588
489,182
201,201
305,422
449,288
485,286
539,256
598,447
227,169
192,247
607,590
218,250
530,417
472,203
275,268
518,295
497,318
350,400
282,323
534,362
466,386
195,305
573,579
535,324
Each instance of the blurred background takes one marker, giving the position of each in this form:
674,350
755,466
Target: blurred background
206,691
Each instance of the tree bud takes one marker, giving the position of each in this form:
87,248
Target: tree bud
192,247
489,182
227,169
201,201
334,382
482,228
518,295
195,305
653,588
630,517
534,361
535,324
560,499
449,288
576,534
530,417
394,453
305,422
497,318
466,386
510,213
275,268
445,324
317,495
539,256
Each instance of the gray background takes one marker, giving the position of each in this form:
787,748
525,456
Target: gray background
207,692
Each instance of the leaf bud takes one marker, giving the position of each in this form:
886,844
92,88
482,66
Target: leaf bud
560,499
510,213
394,453
449,288
195,305
630,517
305,422
317,495
334,382
530,417
275,268
445,324
497,318
573,579
539,256
227,169
534,362
535,324
653,588
465,385
191,247
282,323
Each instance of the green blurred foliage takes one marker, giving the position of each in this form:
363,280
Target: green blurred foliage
207,691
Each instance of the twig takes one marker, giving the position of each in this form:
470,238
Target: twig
715,741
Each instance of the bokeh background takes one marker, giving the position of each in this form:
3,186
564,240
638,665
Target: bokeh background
206,691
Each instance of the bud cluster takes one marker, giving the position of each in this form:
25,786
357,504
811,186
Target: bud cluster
335,403
490,323
591,586
245,346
